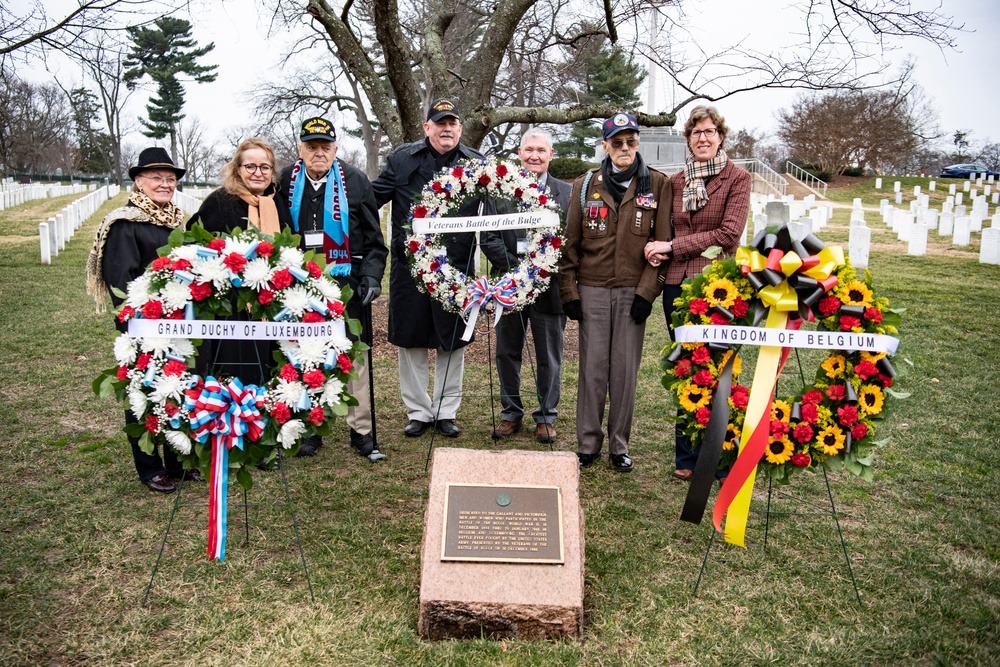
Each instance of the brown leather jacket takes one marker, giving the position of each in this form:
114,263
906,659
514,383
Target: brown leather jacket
604,247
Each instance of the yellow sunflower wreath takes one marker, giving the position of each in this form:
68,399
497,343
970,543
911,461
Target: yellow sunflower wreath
833,421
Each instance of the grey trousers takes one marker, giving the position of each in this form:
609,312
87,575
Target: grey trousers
547,335
414,376
359,417
610,352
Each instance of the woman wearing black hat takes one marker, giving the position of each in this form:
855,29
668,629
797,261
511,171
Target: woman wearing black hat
246,199
125,244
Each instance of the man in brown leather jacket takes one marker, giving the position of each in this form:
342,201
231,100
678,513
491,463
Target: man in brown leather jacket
606,283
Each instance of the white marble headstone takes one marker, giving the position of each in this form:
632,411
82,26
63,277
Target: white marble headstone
951,189
896,186
976,221
959,198
859,245
916,190
759,223
899,197
903,226
931,218
946,225
989,249
777,213
918,240
932,186
878,183
961,236
882,204
959,211
966,186
800,229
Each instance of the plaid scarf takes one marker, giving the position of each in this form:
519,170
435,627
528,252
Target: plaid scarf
695,173
140,208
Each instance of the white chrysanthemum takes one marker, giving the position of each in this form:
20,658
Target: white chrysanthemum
138,291
239,246
212,271
332,391
312,351
341,343
158,347
291,432
137,402
175,295
125,353
168,386
257,274
329,289
287,392
178,441
188,252
182,347
296,299
290,257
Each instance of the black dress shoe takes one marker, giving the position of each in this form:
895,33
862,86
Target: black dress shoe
310,446
621,462
587,460
161,484
416,428
448,428
363,442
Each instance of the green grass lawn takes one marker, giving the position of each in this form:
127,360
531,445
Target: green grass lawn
79,535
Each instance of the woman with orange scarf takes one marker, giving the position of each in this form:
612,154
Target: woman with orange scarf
246,199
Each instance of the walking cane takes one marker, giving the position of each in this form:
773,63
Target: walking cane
371,371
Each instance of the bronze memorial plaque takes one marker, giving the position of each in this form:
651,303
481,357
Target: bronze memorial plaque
516,524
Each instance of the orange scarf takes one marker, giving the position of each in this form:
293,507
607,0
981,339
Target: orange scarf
263,213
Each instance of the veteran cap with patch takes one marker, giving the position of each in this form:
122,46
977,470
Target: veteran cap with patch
317,128
442,107
619,122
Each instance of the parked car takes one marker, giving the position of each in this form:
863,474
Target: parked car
967,171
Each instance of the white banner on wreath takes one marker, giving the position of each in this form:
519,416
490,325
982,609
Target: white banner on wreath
486,223
235,330
816,340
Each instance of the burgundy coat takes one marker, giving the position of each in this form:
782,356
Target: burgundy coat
719,223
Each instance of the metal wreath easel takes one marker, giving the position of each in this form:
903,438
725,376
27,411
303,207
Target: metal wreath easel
474,255
287,502
767,512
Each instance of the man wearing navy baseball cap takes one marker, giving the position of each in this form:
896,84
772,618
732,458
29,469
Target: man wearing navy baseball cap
607,285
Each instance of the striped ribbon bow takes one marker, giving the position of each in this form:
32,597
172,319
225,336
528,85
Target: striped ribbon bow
225,413
479,293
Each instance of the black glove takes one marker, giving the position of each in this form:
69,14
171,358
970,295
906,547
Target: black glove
640,310
368,290
573,310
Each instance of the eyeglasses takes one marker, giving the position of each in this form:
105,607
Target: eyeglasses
708,133
618,143
264,169
159,180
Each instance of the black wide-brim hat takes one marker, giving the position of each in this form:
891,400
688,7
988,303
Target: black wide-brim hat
154,158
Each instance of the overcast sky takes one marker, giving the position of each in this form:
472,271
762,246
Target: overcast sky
962,85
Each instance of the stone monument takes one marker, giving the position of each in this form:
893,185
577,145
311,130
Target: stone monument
503,546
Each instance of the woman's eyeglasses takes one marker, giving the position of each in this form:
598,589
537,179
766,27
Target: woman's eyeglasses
708,133
618,143
264,169
159,180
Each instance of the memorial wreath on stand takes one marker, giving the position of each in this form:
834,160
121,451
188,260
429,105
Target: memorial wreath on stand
496,182
833,422
220,424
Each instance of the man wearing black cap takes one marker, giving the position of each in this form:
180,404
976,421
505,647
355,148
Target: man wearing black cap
606,283
333,208
416,322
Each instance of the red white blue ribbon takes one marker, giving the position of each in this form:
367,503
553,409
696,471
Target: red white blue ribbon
479,293
224,413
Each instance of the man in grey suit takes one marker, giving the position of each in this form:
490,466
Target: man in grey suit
545,315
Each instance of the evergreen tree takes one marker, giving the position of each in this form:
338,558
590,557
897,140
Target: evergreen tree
94,145
164,53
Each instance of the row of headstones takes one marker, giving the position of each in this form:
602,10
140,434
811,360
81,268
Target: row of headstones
913,226
803,217
13,194
189,201
979,180
58,230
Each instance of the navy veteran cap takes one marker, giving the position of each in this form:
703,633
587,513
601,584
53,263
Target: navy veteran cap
317,128
441,108
619,122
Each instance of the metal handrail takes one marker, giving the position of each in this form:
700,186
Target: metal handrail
801,174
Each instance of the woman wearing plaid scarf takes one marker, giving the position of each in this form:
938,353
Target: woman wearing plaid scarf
710,207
